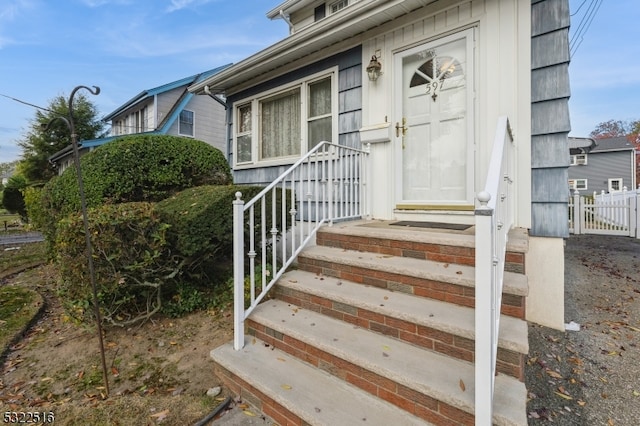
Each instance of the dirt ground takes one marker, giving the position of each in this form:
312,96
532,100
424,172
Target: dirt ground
158,373
591,376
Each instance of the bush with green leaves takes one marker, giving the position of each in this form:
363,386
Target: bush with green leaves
172,256
38,217
12,198
201,227
132,261
134,169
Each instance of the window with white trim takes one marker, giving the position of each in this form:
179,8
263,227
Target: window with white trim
615,184
579,184
186,122
339,5
579,160
243,135
280,125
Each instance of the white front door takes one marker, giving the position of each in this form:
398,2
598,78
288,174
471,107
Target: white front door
434,124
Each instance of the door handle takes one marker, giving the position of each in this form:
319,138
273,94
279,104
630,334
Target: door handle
402,128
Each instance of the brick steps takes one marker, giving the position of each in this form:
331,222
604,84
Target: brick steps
293,393
383,366
369,314
446,247
430,324
434,280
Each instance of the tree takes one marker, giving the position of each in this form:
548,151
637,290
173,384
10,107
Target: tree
7,168
41,142
634,134
634,138
611,129
12,198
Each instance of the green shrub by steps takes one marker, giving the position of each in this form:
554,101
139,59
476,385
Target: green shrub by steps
173,256
134,168
132,262
201,227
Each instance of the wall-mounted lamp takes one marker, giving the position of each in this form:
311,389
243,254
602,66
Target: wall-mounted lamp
374,70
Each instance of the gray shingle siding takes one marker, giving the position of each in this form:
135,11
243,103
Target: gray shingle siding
550,121
549,151
550,82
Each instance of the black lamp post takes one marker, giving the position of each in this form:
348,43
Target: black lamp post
89,250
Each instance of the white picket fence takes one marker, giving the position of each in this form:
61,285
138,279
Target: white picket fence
616,213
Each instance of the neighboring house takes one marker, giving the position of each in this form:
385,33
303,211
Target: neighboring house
421,86
4,178
169,109
598,165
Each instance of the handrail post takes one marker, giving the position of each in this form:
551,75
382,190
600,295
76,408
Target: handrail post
577,213
330,183
238,272
366,179
484,217
635,212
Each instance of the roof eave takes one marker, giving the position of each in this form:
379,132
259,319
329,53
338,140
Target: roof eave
341,27
286,7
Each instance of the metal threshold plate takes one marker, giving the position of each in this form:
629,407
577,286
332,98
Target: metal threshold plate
435,225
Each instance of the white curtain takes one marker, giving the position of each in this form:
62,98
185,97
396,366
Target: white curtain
280,125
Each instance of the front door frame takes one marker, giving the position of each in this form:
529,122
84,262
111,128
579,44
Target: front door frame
397,137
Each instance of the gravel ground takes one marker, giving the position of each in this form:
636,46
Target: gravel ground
591,376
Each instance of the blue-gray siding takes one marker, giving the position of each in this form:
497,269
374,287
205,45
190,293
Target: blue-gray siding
550,123
602,166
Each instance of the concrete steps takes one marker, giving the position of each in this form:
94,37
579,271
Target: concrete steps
291,392
442,327
451,283
395,327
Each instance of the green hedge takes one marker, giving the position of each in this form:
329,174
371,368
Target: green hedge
132,262
173,255
201,226
135,168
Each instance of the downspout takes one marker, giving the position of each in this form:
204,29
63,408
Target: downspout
286,19
208,91
214,97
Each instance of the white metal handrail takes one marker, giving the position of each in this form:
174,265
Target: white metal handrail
327,184
494,218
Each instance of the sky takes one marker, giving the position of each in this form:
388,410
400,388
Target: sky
126,46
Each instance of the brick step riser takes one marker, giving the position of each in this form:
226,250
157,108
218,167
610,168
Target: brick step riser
509,362
512,305
410,400
436,252
263,403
